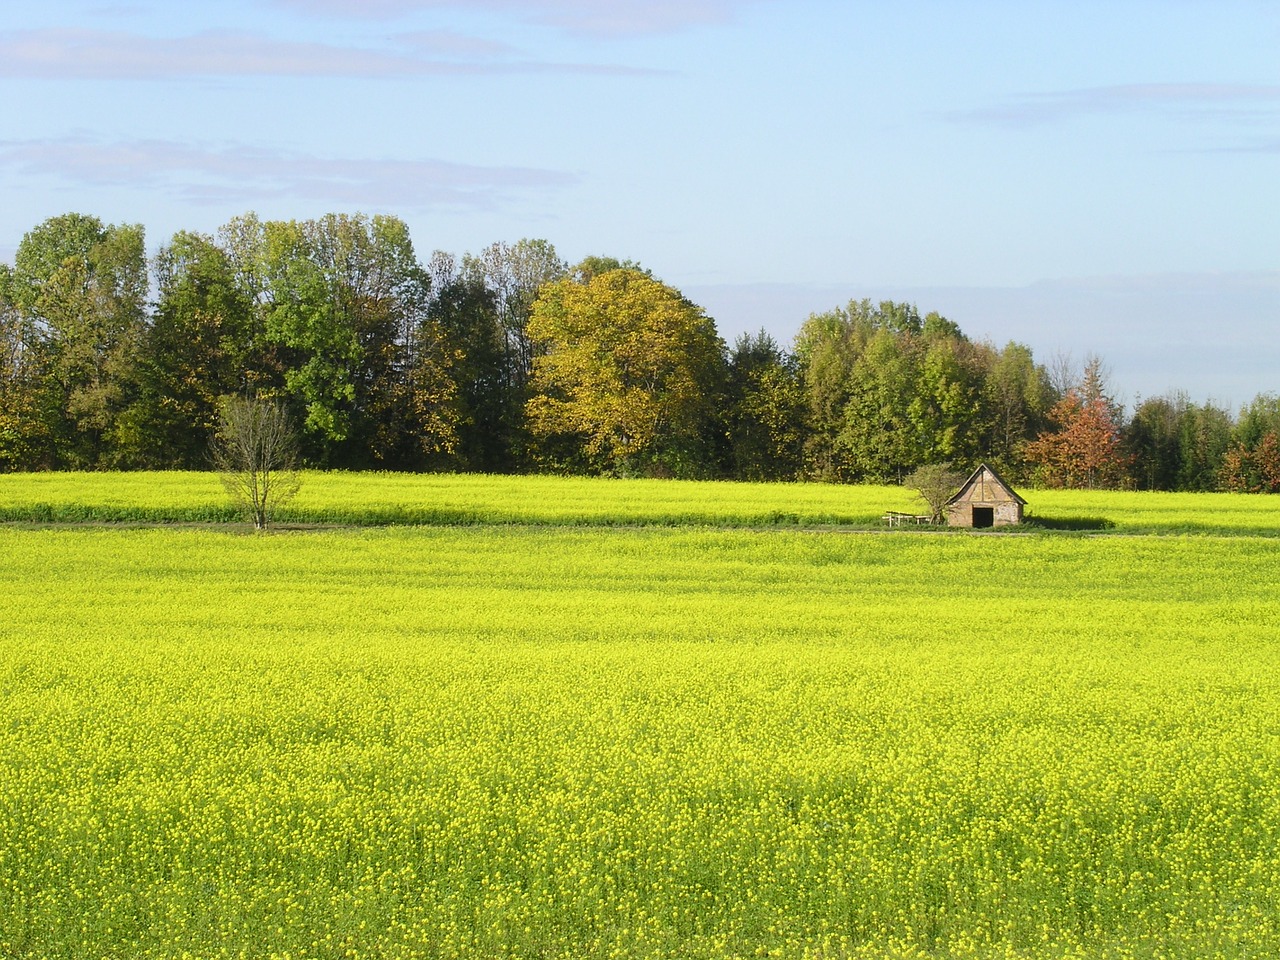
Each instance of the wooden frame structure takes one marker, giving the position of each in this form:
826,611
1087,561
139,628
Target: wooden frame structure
984,500
896,519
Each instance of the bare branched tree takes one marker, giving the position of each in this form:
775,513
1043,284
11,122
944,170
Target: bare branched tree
255,453
1064,373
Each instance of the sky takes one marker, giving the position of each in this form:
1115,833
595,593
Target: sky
1087,178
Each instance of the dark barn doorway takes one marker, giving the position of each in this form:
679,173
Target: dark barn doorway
984,517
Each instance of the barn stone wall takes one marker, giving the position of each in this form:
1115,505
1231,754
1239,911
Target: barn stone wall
985,493
1004,513
1008,513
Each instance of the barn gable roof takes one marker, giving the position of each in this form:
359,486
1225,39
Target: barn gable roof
993,477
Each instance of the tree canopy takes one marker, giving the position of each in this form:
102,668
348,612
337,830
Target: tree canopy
511,359
1083,449
624,362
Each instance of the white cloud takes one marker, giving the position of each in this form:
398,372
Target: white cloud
206,174
99,54
445,43
607,18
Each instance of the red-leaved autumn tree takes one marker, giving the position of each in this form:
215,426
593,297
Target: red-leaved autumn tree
1253,471
1084,448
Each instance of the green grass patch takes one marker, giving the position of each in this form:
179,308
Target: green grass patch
373,499
1154,512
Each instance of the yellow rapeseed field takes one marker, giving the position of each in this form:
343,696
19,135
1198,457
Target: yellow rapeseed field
540,741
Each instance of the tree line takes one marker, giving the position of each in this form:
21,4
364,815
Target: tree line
513,360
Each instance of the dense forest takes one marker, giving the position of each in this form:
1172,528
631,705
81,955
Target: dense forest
512,360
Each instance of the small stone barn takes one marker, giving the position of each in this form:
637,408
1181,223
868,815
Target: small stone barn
984,500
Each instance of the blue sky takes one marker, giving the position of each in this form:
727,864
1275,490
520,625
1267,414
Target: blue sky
1080,176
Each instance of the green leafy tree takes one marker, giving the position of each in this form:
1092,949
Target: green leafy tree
626,367
1153,441
948,407
826,348
935,484
1204,436
23,432
426,401
306,315
831,350
764,411
887,391
880,441
1174,444
204,342
1258,418
347,302
515,275
82,288
1017,397
592,266
465,310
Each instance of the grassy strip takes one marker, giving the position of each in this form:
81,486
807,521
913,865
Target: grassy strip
380,499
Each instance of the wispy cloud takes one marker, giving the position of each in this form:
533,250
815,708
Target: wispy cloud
100,54
446,43
1252,145
215,174
1218,101
602,18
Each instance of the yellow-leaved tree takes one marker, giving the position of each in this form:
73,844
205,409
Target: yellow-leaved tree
625,374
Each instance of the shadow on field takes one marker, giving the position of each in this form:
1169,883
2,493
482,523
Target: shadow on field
1070,523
